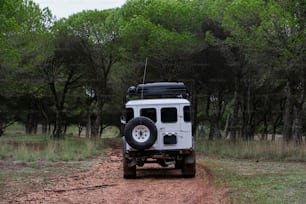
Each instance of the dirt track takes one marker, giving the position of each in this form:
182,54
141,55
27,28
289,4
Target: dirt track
104,183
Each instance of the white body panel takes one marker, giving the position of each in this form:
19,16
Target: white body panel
181,128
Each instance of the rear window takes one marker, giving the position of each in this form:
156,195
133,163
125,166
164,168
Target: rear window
149,113
187,114
129,114
168,115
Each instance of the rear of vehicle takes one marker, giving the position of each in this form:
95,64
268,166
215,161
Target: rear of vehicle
158,130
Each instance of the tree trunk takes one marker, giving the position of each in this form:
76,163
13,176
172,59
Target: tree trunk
45,119
214,131
298,123
29,123
194,113
227,124
32,119
234,123
248,109
264,134
88,125
278,119
215,110
44,127
49,127
96,125
273,133
288,113
80,128
89,121
298,114
1,129
249,118
58,132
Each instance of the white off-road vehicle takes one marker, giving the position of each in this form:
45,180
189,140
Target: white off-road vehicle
158,128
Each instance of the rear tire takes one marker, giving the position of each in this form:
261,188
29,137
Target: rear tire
189,169
128,172
140,133
179,164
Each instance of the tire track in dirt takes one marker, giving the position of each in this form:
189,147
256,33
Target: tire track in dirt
104,183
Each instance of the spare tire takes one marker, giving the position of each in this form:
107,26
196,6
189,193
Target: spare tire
140,133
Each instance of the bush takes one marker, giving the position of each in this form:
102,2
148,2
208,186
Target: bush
263,150
42,148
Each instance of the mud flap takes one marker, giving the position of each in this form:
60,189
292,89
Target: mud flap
132,163
190,158
189,166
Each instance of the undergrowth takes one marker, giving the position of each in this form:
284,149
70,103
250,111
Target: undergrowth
259,150
259,182
41,147
256,171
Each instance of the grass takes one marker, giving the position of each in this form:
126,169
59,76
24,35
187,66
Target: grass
257,171
259,182
253,172
27,162
18,178
259,150
40,147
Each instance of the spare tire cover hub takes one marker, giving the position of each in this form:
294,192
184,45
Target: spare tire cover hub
141,133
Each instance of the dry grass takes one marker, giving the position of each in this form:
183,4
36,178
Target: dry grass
260,150
257,171
41,147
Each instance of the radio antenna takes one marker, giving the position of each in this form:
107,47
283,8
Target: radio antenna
144,77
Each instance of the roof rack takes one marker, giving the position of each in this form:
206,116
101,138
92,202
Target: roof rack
158,90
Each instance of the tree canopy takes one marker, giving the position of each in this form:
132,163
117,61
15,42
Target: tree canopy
243,62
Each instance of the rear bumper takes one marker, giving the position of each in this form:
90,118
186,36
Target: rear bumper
159,153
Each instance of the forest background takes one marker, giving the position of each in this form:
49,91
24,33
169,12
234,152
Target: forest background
242,61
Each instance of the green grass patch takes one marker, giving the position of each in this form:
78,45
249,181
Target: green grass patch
28,162
257,171
18,177
41,147
260,150
260,182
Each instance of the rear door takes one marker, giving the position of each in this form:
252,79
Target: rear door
169,127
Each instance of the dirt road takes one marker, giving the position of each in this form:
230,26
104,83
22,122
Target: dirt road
103,183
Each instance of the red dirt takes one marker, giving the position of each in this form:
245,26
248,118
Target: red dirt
104,183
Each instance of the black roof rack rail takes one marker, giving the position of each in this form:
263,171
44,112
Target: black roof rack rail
158,90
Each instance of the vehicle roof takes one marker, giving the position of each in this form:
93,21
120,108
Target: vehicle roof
158,90
163,101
